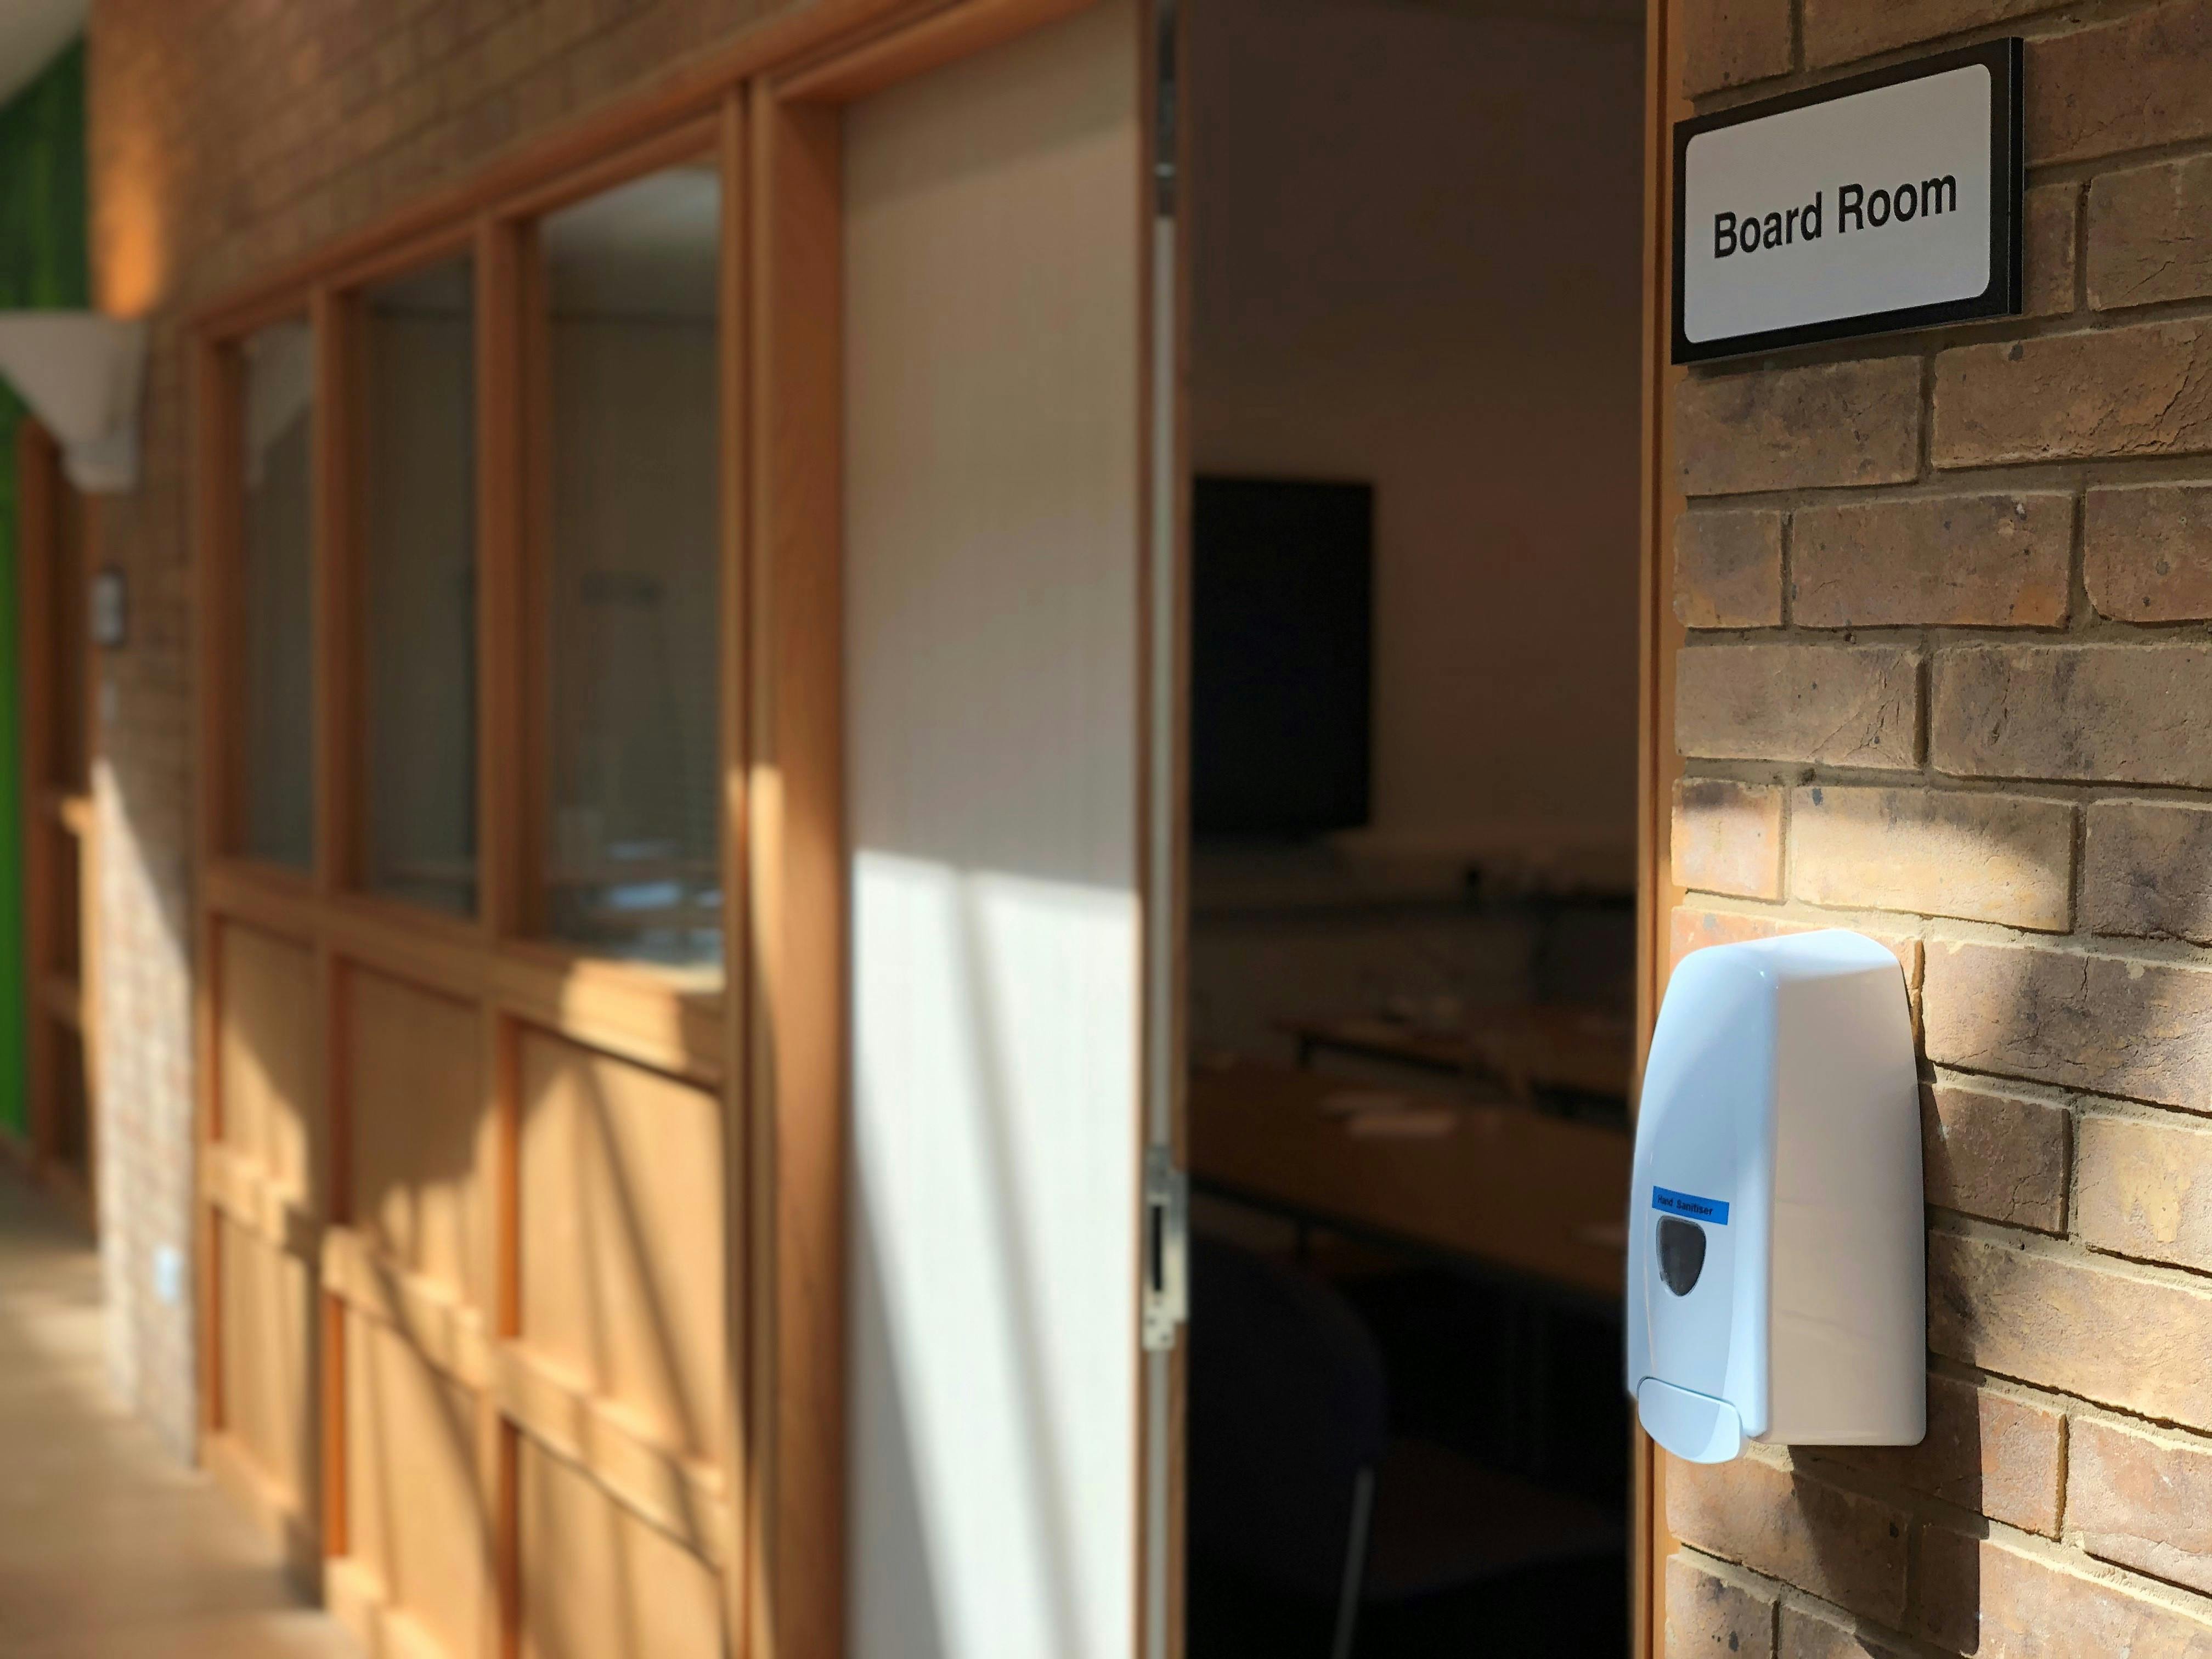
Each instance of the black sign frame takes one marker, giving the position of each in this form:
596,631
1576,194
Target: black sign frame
2005,59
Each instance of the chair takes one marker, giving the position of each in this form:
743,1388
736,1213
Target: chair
1306,1515
1288,1421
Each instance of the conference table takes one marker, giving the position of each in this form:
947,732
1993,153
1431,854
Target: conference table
1530,1049
1525,1194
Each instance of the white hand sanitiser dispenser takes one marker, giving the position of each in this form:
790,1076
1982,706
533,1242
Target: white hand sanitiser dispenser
1776,1282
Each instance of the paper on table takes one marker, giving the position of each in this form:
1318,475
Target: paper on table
1406,1124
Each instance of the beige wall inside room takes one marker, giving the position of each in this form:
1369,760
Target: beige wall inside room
1417,263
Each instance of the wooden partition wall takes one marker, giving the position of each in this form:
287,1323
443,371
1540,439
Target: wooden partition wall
522,1271
475,1302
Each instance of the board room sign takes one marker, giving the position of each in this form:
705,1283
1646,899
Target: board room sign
1886,201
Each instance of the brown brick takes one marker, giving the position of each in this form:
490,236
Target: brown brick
2140,390
2145,79
2146,870
2047,250
2081,1022
1842,1547
1986,857
1727,570
1810,1634
1846,705
2141,1500
1708,1614
1946,1588
1995,1156
1727,837
2070,1323
2120,714
1985,1451
1799,428
1726,43
2015,1605
2150,233
2146,1189
2146,551
1998,560
1838,31
1690,929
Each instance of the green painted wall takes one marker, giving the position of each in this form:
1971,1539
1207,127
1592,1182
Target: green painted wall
42,263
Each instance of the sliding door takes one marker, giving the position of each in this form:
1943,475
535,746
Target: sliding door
990,219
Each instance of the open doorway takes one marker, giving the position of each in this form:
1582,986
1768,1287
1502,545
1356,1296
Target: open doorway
1416,288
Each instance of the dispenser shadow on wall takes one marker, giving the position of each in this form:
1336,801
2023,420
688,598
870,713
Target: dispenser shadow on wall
1777,1288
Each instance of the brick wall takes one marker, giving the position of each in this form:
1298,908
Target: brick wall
1948,679
227,135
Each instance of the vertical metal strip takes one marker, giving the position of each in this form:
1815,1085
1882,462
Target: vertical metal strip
1161,983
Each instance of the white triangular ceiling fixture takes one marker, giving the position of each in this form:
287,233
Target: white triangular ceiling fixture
80,373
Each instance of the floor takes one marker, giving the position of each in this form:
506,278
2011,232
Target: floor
109,1548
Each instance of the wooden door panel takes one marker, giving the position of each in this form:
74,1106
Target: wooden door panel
418,1531
268,1360
596,1579
266,1064
621,1237
415,1105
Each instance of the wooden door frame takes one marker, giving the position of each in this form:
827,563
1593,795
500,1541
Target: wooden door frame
800,848
49,811
1658,765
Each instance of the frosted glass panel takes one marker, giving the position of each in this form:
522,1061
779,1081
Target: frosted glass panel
632,275
420,586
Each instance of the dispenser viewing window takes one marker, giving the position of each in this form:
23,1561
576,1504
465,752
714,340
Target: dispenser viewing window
1775,1282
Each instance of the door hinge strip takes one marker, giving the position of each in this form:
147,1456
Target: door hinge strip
1167,1249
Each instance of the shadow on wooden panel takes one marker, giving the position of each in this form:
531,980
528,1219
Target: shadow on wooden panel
415,1105
622,1237
267,1061
415,1521
598,1583
268,1363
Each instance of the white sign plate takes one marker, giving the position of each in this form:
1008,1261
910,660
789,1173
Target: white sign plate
1887,201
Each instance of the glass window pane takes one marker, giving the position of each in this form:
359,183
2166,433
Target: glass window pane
632,869
419,585
275,581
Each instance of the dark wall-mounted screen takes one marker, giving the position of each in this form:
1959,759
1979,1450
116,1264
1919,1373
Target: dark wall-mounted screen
1282,621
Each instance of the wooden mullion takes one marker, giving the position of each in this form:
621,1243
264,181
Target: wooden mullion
335,591
796,1121
331,1404
534,741
215,389
498,1446
500,772
733,692
507,868
331,1195
222,596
